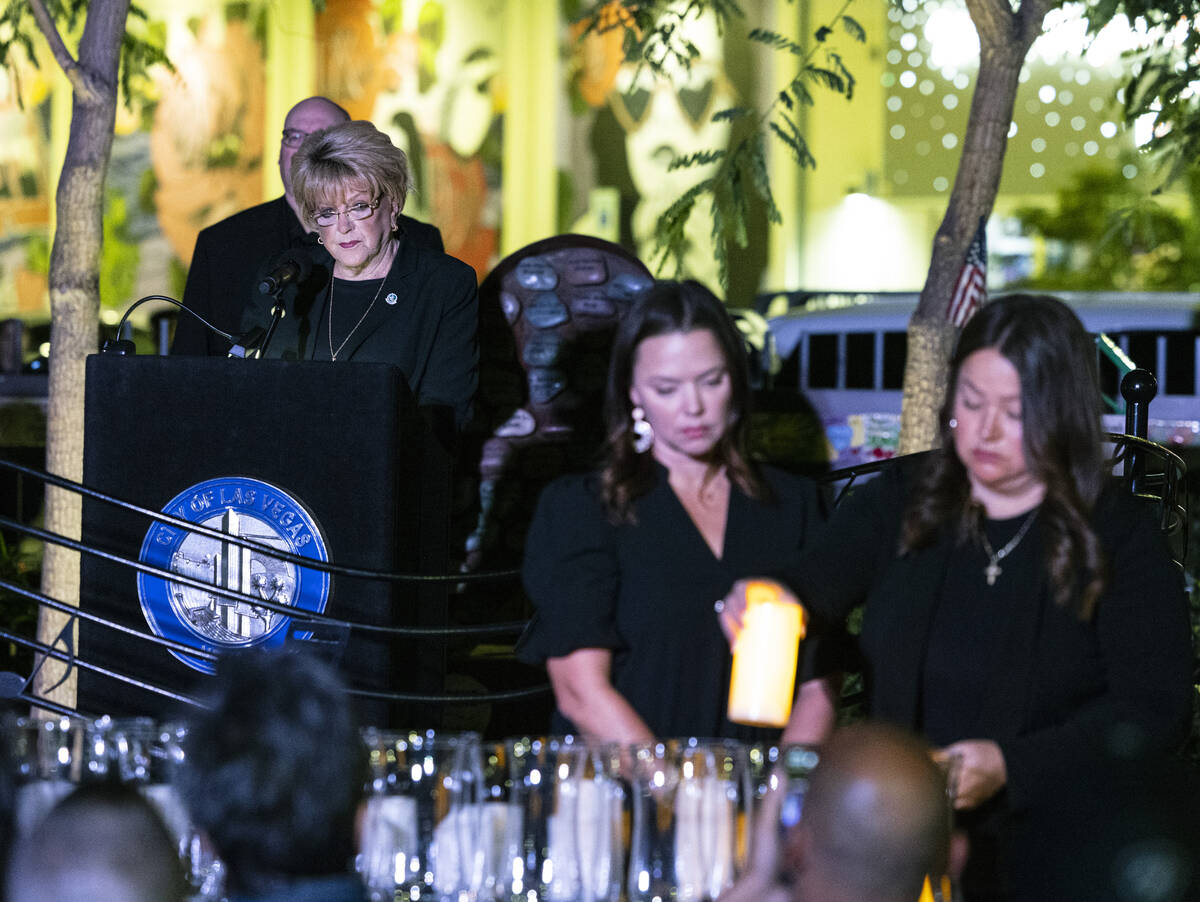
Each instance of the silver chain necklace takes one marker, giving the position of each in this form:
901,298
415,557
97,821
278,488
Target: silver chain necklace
992,570
332,353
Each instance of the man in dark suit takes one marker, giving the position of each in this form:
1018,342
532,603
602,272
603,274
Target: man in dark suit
230,253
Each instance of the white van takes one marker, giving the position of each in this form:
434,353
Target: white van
845,353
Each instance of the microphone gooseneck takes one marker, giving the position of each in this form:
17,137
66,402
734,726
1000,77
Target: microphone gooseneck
124,347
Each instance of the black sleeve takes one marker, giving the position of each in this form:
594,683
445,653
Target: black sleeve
571,573
452,377
422,233
827,648
1144,641
838,565
192,338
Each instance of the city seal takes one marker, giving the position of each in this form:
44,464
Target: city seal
244,508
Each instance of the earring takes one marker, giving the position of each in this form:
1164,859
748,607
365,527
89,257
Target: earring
953,423
643,432
320,240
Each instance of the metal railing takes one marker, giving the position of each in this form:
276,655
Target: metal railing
1150,470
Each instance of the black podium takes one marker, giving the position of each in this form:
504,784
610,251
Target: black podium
323,460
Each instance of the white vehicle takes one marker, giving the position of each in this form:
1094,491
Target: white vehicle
846,352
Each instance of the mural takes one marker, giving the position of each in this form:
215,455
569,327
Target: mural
428,75
656,120
24,194
207,132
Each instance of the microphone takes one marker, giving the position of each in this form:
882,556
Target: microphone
292,267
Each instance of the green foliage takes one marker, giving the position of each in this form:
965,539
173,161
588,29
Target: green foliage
775,41
391,16
699,158
655,38
18,616
670,232
142,45
1105,233
118,254
1163,76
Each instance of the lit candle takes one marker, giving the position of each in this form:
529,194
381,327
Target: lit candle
764,658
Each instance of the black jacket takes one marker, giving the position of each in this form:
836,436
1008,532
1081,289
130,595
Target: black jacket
222,281
1063,688
424,323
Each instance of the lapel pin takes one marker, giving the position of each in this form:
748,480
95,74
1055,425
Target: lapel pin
391,297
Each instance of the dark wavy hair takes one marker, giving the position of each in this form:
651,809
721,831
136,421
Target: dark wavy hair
1055,358
274,769
665,308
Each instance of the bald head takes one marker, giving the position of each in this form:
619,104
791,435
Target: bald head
876,818
310,115
102,843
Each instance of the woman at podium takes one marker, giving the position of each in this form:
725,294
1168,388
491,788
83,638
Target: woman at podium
386,300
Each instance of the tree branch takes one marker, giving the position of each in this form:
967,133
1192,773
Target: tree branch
1030,19
993,21
80,83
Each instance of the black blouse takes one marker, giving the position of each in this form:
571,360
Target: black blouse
646,591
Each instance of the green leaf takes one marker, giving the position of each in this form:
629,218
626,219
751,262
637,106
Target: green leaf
760,177
699,158
848,79
854,29
826,77
731,113
775,41
800,91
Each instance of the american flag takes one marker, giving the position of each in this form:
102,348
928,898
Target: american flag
971,288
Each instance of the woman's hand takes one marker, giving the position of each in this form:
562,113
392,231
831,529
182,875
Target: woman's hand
732,608
978,773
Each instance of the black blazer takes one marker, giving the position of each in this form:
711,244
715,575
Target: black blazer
424,322
1061,694
1063,684
221,280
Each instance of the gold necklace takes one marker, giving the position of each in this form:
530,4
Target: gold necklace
333,281
992,570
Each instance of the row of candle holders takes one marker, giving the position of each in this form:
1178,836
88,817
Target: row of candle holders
451,816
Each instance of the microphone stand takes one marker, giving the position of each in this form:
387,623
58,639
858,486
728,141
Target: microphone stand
254,343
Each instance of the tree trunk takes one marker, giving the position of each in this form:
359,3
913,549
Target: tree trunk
1004,39
74,307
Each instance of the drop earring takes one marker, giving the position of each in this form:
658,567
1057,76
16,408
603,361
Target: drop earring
643,432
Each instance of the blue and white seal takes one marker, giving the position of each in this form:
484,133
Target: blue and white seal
249,509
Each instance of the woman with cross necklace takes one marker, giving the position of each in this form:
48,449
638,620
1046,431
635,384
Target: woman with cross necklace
1021,608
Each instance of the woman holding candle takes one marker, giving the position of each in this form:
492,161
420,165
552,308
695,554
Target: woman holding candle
623,565
1021,609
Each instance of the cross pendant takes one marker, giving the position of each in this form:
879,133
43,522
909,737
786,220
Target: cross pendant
991,571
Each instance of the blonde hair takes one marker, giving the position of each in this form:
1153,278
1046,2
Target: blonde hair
346,156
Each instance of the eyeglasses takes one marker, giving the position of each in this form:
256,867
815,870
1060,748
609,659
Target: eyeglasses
327,218
293,137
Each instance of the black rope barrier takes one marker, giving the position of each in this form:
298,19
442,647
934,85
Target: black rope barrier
277,553
46,705
73,611
1173,514
72,659
506,627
